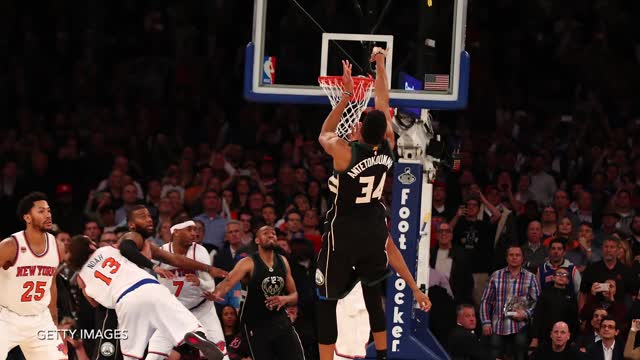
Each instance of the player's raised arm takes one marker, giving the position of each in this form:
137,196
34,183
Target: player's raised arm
242,269
379,56
184,262
129,248
328,138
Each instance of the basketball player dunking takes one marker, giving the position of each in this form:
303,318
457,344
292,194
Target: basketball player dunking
355,240
28,305
263,318
188,286
114,280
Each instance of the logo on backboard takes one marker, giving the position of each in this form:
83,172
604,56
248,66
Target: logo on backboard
269,70
407,178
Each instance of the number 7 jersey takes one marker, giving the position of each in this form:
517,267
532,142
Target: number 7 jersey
107,274
358,189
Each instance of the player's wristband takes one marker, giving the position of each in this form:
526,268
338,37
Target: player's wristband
380,52
349,94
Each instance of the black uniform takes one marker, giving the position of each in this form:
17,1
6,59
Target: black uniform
356,231
269,332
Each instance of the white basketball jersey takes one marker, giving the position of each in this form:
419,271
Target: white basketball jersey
107,274
26,286
187,293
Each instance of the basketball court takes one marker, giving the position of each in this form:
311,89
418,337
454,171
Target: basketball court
297,47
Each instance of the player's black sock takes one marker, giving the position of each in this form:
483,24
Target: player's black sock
381,354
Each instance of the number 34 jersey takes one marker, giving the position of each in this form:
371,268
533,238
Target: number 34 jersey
107,274
357,191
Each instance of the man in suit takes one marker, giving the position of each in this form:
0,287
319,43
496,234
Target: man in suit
591,332
450,260
607,348
233,250
464,344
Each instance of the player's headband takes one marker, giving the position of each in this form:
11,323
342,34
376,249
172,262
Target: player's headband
182,225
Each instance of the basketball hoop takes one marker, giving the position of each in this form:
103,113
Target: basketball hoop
362,89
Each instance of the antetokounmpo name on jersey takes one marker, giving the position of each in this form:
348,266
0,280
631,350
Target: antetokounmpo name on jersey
385,160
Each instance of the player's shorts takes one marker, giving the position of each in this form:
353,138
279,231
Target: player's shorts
351,251
147,309
276,342
36,335
161,345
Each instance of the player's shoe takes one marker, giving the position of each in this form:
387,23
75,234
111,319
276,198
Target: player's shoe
208,348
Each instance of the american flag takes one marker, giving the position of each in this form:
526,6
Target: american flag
438,82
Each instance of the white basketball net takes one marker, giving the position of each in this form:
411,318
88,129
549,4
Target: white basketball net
362,89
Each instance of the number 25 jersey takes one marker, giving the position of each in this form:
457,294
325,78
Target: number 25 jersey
107,274
357,191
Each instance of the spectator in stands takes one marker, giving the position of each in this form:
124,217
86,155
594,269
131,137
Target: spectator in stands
586,253
107,239
608,268
232,251
199,231
634,238
474,236
450,261
508,328
561,205
534,252
556,261
556,303
603,295
237,348
607,348
129,200
269,214
440,206
214,223
591,333
549,222
609,226
559,346
246,218
92,230
622,206
630,351
464,343
543,186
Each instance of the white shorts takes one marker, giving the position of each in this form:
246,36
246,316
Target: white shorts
149,308
353,325
36,335
160,345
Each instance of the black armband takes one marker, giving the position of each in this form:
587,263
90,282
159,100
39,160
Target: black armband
129,250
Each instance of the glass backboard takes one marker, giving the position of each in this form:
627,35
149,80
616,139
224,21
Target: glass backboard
296,41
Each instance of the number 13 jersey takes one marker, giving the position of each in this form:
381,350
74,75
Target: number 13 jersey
107,274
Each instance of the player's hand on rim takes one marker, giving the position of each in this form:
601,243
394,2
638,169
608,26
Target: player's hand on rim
276,301
423,300
347,80
378,51
163,272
